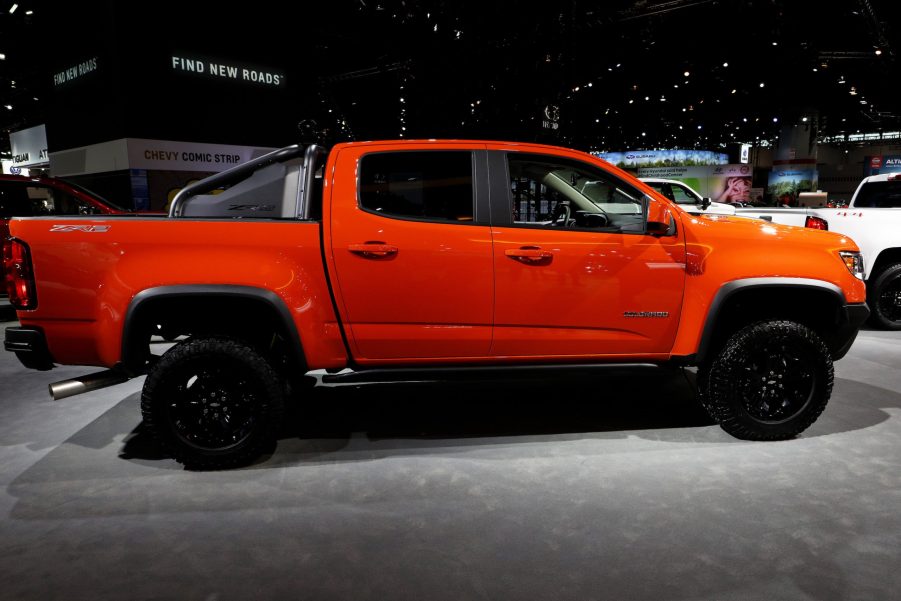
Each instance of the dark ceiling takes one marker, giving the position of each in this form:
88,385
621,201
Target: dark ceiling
614,72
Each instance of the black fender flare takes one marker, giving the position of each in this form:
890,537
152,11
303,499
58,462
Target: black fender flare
132,354
728,289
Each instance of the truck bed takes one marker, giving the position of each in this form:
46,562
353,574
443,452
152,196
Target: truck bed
101,263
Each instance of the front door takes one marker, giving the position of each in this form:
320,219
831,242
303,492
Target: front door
576,274
412,253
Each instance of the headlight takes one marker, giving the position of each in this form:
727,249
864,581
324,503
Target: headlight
854,262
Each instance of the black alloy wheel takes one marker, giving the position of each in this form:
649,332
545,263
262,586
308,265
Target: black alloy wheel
777,381
884,298
770,381
213,403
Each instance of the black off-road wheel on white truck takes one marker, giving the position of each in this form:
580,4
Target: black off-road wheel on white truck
213,403
770,381
884,298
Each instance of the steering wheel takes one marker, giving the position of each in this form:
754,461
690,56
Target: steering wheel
562,210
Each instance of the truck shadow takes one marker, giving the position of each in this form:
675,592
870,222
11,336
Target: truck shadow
366,422
425,416
84,476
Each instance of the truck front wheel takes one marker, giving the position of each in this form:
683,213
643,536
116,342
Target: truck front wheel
770,381
884,298
213,403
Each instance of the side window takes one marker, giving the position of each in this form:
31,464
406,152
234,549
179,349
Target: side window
428,185
49,201
682,196
14,200
552,192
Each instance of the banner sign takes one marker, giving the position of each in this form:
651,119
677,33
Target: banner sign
786,183
883,164
29,146
663,158
188,156
75,71
228,70
721,183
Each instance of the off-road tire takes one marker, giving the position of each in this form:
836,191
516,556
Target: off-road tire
213,403
883,296
770,381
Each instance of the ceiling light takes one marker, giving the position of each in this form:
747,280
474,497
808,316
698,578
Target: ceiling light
734,91
775,119
9,106
878,52
686,74
761,84
725,64
775,43
804,119
13,8
29,12
2,57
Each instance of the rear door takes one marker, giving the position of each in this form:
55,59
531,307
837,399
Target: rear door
576,274
411,250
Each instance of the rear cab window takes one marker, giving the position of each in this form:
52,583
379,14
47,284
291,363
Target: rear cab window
879,195
431,185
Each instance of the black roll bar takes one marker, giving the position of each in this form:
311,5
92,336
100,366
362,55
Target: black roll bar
239,172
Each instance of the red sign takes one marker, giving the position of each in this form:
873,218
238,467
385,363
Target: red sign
875,162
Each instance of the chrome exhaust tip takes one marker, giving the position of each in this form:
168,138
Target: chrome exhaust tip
95,381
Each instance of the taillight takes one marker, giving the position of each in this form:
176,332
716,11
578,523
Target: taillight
18,274
815,223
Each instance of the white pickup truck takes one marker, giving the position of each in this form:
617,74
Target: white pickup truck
684,195
873,220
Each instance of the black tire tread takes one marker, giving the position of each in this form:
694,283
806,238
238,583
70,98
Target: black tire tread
716,398
271,411
885,275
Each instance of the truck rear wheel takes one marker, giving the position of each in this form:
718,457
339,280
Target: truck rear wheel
884,298
770,381
213,403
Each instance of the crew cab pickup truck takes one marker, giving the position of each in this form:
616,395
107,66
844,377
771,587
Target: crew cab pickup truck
413,260
873,220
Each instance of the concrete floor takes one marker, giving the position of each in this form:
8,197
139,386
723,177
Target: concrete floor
590,489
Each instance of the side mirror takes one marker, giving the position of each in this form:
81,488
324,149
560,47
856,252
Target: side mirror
705,202
660,220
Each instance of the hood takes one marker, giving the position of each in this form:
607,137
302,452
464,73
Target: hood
752,230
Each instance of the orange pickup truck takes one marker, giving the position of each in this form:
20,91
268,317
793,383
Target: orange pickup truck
392,261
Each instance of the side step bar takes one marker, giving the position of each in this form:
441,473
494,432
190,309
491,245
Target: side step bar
95,381
478,372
